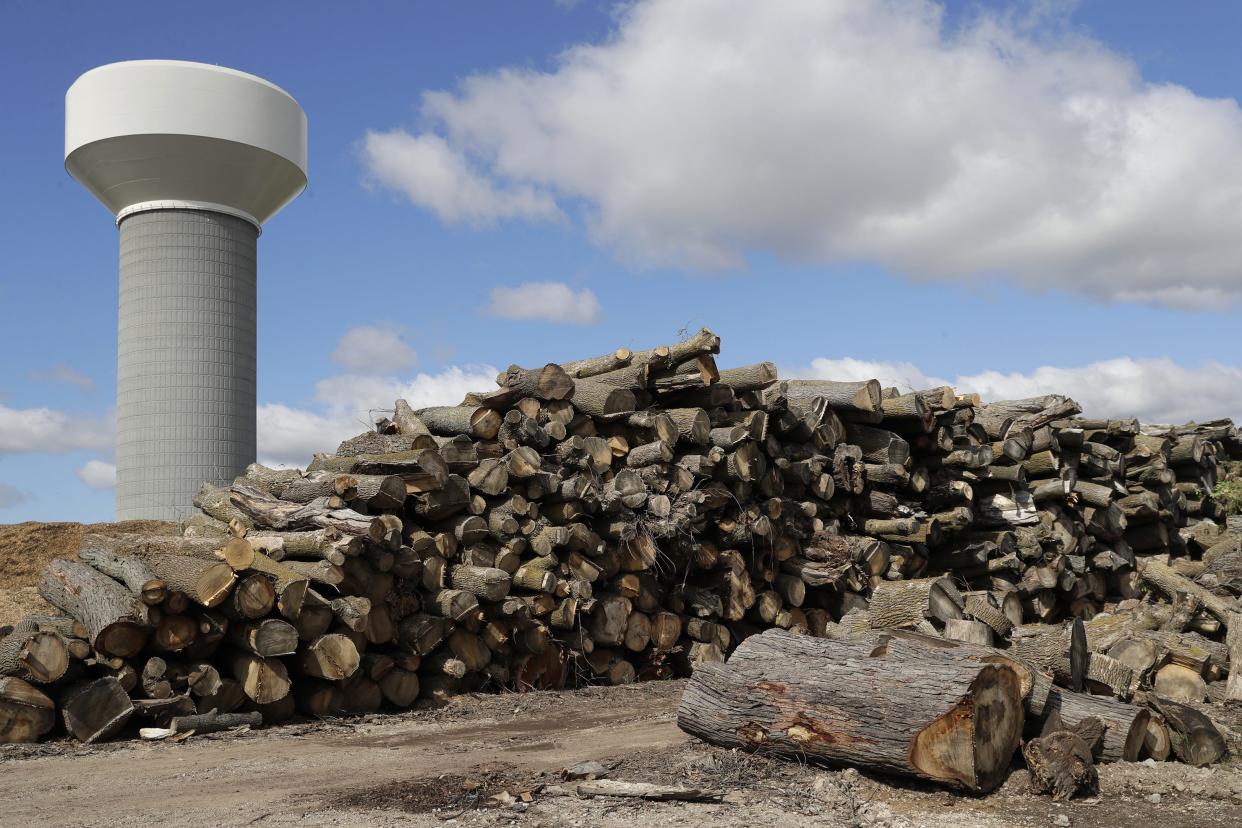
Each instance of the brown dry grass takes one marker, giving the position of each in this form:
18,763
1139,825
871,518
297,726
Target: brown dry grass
26,549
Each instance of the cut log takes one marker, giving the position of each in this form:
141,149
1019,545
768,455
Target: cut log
290,585
94,711
124,568
862,397
263,680
551,382
1194,739
253,596
208,583
1233,690
1125,725
899,604
26,714
34,655
898,712
266,638
603,401
215,722
116,621
330,657
1163,578
1180,683
1059,650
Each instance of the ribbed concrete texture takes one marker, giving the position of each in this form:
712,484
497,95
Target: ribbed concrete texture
186,358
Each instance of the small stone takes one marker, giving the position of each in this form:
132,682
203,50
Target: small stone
1061,820
1154,799
1180,787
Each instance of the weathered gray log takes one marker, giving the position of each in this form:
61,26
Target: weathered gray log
94,711
603,401
124,568
878,445
900,711
406,420
115,619
215,722
1125,725
488,583
862,397
900,604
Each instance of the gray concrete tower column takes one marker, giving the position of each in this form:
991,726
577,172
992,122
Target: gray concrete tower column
186,358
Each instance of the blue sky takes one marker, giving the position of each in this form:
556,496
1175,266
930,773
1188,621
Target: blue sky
1015,200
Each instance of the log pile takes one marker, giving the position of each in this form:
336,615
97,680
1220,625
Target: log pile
639,515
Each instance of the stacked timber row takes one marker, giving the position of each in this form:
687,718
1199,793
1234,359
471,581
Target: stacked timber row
636,515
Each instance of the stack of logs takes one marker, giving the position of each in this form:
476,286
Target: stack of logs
638,514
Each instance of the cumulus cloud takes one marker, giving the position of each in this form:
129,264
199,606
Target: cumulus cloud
548,301
97,474
903,375
372,349
37,430
697,133
11,496
1154,390
348,404
435,176
60,372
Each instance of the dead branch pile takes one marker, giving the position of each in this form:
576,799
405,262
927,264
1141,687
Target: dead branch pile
639,515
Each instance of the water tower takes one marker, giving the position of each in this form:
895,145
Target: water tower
191,159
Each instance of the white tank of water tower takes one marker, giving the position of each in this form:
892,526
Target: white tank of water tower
191,159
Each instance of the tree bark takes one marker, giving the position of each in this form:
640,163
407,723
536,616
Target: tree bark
206,582
900,604
94,711
128,570
34,655
116,621
1125,725
900,712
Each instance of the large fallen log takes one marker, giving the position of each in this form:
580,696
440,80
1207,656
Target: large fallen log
114,618
895,709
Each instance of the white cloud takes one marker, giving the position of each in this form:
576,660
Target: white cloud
35,430
97,474
372,349
11,496
434,176
902,375
829,132
60,372
1154,390
347,405
549,301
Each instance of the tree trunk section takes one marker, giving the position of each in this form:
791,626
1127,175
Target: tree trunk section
115,619
899,712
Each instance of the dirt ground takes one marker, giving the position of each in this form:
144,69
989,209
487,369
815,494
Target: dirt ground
476,761
26,549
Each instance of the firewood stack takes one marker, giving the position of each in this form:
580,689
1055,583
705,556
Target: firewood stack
633,515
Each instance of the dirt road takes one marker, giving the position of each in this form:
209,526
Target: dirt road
444,767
